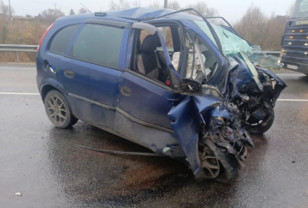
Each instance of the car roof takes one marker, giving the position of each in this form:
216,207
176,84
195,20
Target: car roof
140,13
130,15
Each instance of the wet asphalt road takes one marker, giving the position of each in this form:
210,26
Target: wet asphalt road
46,165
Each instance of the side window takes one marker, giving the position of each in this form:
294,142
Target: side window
98,44
148,55
62,38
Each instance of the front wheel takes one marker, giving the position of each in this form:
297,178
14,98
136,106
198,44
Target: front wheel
261,126
58,110
216,162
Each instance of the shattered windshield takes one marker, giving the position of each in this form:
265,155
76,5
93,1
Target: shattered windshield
232,44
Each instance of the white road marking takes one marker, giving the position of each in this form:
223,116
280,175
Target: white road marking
293,100
18,67
289,74
19,93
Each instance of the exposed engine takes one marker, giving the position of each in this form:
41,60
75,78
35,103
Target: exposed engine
255,97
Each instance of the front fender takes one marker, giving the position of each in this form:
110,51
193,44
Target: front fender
186,119
280,84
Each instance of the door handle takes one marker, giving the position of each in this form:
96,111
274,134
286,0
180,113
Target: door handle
69,74
126,91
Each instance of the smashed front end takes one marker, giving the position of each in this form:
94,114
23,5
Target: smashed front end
253,89
210,135
212,127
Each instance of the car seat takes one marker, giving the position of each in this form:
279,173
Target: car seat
147,60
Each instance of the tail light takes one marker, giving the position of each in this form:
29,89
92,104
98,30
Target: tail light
42,38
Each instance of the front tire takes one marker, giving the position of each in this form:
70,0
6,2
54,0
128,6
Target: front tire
216,162
262,127
58,110
228,162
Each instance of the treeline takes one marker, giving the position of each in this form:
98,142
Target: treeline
26,30
261,30
254,26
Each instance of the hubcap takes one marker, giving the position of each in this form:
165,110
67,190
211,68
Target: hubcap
209,162
56,109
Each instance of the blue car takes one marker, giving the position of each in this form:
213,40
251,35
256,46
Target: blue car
168,80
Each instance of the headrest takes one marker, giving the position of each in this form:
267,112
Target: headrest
150,43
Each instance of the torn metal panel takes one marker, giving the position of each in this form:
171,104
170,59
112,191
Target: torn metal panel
186,129
198,119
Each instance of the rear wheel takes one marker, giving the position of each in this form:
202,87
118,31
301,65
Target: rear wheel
58,110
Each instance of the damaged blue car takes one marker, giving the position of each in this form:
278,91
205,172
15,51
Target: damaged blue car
170,81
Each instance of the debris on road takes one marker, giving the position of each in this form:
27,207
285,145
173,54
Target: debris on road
18,194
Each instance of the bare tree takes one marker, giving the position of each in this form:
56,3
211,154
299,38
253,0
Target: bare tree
252,26
275,27
72,12
290,9
199,6
123,4
4,23
50,15
155,6
82,11
4,9
261,30
174,5
203,8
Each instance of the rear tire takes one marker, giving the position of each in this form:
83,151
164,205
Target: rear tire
58,110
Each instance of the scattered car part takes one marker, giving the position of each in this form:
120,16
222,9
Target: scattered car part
115,152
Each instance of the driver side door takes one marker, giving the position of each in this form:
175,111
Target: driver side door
146,99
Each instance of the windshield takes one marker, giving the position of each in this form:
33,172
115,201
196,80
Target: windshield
233,44
230,42
300,9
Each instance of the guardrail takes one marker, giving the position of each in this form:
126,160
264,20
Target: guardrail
273,53
18,48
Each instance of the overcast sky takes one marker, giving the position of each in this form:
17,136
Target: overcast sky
232,10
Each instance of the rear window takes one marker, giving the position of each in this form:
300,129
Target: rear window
98,44
62,38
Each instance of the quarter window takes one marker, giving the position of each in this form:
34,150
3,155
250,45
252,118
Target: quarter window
62,38
98,44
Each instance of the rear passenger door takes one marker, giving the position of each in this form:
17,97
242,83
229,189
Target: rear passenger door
57,61
70,74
